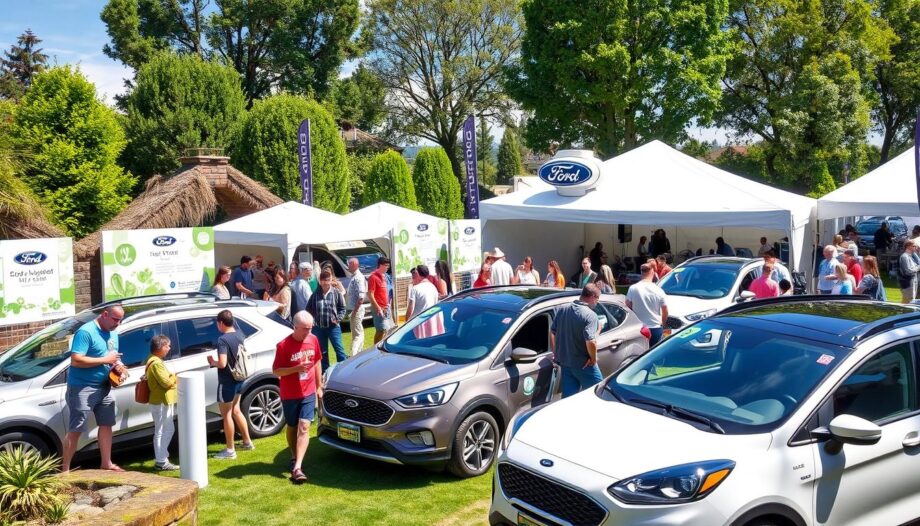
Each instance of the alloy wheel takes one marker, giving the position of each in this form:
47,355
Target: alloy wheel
479,445
265,411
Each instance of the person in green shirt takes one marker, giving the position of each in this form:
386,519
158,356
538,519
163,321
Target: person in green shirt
164,394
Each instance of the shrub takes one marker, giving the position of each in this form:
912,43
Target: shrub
437,190
509,158
389,180
28,489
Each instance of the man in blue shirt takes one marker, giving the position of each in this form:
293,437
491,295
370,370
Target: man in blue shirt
573,340
241,280
723,248
92,353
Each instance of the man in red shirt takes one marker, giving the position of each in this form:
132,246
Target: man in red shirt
765,286
297,366
380,301
854,269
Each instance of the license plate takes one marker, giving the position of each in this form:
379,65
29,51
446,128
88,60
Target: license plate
524,520
349,432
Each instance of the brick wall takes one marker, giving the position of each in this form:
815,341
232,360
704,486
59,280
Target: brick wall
10,335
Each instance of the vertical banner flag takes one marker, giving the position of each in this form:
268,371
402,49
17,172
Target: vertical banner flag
306,162
469,160
917,153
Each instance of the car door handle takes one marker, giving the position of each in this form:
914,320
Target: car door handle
614,344
911,440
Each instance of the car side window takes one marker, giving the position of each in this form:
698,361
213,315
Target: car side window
533,335
197,335
881,388
134,345
748,279
244,326
609,316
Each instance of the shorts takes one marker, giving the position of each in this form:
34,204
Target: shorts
382,322
227,391
299,409
81,399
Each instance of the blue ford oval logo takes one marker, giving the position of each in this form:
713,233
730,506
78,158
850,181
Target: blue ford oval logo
422,227
163,241
564,173
30,258
469,230
546,463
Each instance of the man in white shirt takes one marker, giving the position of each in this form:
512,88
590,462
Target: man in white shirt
301,288
423,293
649,303
501,270
354,302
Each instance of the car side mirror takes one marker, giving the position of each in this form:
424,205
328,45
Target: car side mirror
745,295
848,429
523,355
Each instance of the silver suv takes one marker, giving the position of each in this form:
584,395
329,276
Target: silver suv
33,374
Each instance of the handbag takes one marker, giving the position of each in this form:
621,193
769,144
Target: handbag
117,374
142,388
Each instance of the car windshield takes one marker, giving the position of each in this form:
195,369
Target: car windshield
451,332
745,380
366,256
43,351
700,281
867,228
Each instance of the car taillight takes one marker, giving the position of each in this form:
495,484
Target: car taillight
645,332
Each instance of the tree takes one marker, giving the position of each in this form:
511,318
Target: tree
509,158
73,141
265,148
611,75
440,61
797,82
897,80
437,191
359,164
23,61
389,180
179,102
292,45
359,99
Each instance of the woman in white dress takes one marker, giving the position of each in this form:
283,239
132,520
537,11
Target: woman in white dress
526,274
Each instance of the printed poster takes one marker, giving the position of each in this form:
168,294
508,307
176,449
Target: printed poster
156,261
37,281
419,243
465,245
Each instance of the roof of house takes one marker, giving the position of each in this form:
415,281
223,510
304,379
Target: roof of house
357,139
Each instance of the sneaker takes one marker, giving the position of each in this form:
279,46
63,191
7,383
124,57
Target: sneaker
226,454
247,446
167,466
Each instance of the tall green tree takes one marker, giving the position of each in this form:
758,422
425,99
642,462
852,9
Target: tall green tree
437,191
897,80
72,142
509,157
389,180
265,148
798,80
359,99
20,64
178,102
359,165
611,75
292,45
441,61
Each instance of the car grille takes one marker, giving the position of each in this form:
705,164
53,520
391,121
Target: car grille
673,323
548,496
367,411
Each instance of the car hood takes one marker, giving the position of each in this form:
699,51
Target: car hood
383,375
621,441
681,306
14,390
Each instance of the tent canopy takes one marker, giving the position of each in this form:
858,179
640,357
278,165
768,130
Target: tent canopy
658,185
890,189
378,220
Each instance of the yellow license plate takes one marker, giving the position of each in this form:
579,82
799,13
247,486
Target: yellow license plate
349,432
524,520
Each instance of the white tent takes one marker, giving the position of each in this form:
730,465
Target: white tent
283,227
890,189
653,185
376,221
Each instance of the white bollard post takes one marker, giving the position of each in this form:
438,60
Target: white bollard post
193,447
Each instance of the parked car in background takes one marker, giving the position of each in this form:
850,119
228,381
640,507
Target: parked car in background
805,412
366,252
442,388
867,227
33,374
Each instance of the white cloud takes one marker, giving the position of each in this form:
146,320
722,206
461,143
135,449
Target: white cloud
107,75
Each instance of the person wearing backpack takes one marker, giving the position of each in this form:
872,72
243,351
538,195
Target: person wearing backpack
229,347
163,395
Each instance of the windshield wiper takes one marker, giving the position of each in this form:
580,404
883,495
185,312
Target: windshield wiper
614,393
433,358
681,412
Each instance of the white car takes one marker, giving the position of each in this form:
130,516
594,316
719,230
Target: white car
806,413
33,374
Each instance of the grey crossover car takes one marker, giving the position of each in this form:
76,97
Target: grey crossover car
442,387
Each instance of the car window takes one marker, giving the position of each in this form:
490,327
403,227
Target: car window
197,335
609,316
43,351
748,279
322,255
533,335
701,281
134,345
882,387
244,326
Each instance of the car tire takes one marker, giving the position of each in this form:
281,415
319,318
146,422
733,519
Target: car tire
765,522
262,409
10,441
475,446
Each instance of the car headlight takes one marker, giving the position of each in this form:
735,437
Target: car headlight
516,422
428,398
697,316
673,485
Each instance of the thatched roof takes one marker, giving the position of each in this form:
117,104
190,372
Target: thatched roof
187,198
21,216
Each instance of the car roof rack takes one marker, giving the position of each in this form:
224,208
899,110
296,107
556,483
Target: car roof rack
222,304
135,300
874,328
800,298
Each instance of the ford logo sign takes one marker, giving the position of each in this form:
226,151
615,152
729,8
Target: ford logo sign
352,403
30,258
546,463
163,241
422,227
564,173
469,230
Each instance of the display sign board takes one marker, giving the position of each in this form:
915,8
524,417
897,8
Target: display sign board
37,281
419,243
465,245
572,172
156,261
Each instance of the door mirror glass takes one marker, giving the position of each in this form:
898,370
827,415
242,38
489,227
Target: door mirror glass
523,355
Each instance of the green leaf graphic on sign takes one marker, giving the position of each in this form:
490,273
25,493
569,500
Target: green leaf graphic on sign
125,254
